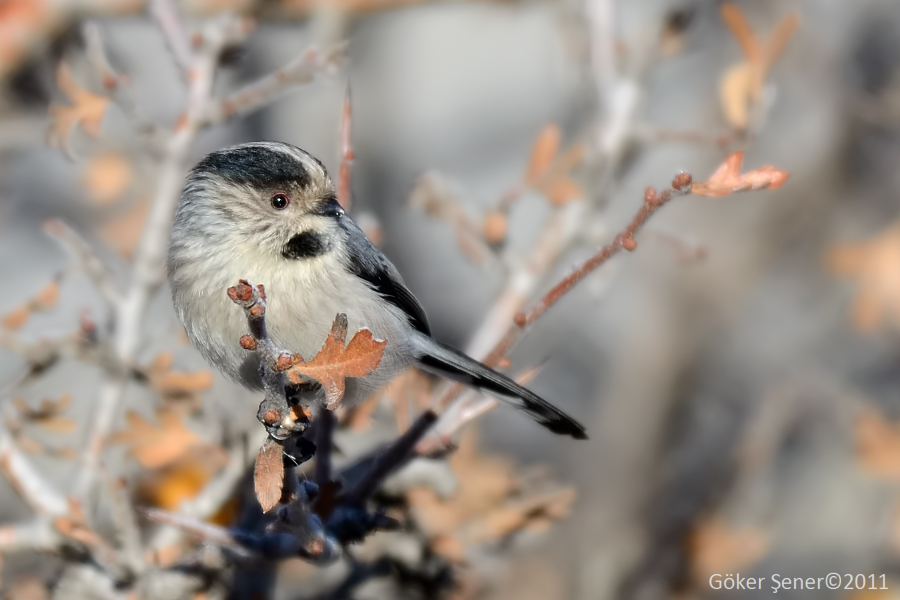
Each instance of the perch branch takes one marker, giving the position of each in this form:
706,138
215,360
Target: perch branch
475,405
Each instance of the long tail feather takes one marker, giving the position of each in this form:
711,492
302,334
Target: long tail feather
456,366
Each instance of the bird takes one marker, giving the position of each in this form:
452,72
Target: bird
267,212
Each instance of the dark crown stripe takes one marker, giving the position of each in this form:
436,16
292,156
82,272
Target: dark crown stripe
258,166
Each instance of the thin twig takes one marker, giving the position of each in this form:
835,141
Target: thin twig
131,554
298,72
165,12
28,482
344,194
114,82
394,456
476,405
326,423
92,266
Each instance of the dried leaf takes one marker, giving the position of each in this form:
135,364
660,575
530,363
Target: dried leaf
495,227
268,475
875,265
184,383
181,480
106,177
728,180
123,232
86,109
736,90
877,445
47,297
16,318
28,587
741,88
562,191
714,547
155,447
47,416
779,39
734,18
546,145
335,362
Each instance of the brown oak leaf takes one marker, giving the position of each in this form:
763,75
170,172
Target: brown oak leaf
728,180
86,109
268,475
154,447
741,87
544,150
48,415
715,547
875,265
335,361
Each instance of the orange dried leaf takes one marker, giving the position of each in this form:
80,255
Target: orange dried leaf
106,177
736,21
16,318
714,547
335,362
736,91
877,444
155,447
875,265
123,232
546,145
562,191
783,33
268,475
87,109
495,226
728,179
47,297
184,383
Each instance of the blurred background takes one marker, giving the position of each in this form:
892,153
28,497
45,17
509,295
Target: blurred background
738,373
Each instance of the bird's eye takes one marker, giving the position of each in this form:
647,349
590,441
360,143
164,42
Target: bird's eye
280,201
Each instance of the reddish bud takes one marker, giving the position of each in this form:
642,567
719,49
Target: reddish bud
248,343
682,181
270,417
504,363
262,291
650,195
232,293
315,547
257,312
283,362
628,243
520,319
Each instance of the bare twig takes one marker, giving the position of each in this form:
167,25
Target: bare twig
166,15
129,536
325,426
149,257
298,72
393,456
115,83
474,405
28,482
344,194
92,266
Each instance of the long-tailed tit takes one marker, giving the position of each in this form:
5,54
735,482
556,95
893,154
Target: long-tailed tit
267,212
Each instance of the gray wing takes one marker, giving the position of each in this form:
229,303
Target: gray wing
369,264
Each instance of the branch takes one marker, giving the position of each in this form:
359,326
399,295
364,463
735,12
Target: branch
165,13
344,196
475,405
27,481
393,457
300,71
149,257
92,266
